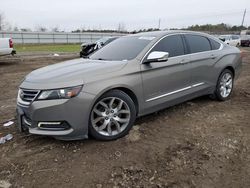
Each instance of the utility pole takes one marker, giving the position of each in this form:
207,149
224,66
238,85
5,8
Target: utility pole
1,21
159,24
243,19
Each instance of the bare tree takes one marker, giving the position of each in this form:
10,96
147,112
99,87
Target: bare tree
4,25
41,29
1,21
121,27
15,28
55,29
25,29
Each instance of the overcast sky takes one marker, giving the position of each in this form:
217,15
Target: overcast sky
134,14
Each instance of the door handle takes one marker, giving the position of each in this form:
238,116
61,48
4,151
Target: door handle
213,56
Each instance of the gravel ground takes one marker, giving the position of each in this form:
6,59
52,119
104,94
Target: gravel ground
200,143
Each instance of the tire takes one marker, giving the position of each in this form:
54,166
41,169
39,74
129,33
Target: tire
224,87
112,116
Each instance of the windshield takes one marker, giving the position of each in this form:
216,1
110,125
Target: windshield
103,40
122,49
226,37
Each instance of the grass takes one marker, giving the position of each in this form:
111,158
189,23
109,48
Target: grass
47,48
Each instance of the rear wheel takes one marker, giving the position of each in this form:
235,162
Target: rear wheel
112,116
224,86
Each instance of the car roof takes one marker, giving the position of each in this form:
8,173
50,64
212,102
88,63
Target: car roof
163,33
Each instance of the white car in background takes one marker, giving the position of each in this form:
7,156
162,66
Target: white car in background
232,40
6,47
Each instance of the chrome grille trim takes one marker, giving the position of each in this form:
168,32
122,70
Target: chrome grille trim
26,96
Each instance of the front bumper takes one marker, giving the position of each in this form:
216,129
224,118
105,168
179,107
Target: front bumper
75,112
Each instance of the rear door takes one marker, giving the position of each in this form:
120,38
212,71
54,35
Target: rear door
164,81
203,55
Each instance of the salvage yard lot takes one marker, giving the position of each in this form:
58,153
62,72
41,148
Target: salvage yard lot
200,143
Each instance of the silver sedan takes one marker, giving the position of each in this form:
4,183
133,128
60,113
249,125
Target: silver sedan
133,76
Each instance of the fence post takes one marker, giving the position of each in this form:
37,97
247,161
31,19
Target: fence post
53,38
38,38
67,36
22,38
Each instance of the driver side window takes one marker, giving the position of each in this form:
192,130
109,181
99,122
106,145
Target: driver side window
172,44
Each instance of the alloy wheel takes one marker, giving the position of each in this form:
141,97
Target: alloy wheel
226,85
110,116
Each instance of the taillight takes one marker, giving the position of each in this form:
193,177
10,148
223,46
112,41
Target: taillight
11,43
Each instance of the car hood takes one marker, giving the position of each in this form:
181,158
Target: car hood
70,73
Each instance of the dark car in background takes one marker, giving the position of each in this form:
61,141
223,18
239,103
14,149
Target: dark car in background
245,40
89,48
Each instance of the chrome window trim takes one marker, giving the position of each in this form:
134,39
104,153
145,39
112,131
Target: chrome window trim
176,91
221,46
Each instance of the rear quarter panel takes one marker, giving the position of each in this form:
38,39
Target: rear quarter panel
230,57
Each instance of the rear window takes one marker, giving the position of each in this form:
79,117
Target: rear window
198,43
215,45
235,37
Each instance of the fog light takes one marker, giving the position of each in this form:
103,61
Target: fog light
55,126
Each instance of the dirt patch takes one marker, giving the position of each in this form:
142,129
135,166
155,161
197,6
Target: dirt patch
200,143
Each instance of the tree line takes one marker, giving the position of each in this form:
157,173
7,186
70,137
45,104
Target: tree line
216,28
213,28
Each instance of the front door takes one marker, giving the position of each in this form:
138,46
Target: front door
165,81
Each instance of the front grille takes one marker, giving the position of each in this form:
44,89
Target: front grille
26,96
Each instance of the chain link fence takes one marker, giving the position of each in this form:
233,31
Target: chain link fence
54,37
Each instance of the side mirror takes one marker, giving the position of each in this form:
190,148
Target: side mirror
222,39
157,56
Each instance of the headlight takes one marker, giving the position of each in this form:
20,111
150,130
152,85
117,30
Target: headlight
65,93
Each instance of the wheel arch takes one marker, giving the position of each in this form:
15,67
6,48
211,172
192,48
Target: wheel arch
131,94
229,68
126,90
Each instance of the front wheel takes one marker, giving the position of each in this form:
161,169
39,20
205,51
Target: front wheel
112,116
224,86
